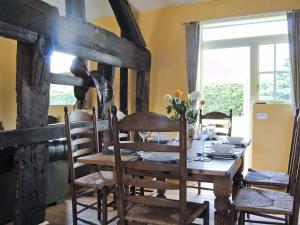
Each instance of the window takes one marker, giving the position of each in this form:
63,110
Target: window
274,73
266,39
61,94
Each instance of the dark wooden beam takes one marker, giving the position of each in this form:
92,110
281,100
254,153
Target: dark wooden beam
71,80
42,134
31,160
81,39
142,91
75,9
124,90
127,22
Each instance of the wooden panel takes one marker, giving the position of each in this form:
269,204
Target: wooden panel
31,160
153,122
91,42
127,22
41,134
82,152
149,147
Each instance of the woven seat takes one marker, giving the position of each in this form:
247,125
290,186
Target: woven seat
267,178
258,200
96,180
145,214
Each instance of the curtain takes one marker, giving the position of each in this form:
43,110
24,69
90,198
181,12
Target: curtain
192,53
293,19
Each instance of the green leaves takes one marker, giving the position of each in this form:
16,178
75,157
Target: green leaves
169,109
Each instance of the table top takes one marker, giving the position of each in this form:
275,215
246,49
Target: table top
215,167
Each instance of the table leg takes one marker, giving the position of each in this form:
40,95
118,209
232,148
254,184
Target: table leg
222,191
237,182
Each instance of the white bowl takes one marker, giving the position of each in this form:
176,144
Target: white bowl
222,148
234,140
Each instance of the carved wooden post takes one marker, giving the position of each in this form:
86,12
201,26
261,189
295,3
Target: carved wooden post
33,82
142,91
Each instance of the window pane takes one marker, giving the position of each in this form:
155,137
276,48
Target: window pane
60,62
246,30
282,57
266,58
266,86
283,87
62,95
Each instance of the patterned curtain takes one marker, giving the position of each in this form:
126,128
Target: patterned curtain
192,53
294,42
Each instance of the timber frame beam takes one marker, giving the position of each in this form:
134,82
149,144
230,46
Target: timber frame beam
82,39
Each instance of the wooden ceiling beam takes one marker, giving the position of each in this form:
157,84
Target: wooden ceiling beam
127,22
28,18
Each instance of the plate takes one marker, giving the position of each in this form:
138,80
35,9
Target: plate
160,156
162,139
123,151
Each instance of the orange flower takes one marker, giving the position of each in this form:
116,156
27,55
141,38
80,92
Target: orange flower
178,93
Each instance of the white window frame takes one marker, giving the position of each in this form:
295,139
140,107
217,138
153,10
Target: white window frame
253,43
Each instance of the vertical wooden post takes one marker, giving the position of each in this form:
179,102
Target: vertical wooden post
142,91
124,90
32,111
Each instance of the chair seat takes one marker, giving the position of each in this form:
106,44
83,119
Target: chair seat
96,180
267,178
263,201
145,214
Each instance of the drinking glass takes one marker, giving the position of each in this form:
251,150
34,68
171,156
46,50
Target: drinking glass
144,135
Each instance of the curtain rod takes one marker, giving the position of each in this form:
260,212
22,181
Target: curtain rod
241,16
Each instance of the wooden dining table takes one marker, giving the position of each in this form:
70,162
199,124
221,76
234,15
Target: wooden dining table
225,174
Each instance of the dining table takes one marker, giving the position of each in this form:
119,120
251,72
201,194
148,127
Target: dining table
224,173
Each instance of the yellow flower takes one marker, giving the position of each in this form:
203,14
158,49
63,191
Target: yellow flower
202,102
178,93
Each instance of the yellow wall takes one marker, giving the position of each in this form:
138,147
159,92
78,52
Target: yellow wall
272,137
8,110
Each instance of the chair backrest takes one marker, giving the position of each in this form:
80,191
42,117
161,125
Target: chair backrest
222,121
129,173
81,141
292,150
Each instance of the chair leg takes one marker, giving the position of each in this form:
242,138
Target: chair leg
74,207
206,214
99,204
199,188
104,206
242,218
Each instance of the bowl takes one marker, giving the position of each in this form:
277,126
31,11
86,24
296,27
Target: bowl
234,140
222,148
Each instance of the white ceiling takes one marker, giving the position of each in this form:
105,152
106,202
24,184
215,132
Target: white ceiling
100,8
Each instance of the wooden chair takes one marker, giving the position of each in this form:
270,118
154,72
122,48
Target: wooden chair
84,141
268,179
219,117
270,204
149,209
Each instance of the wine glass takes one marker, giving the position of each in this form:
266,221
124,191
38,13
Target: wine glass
144,135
